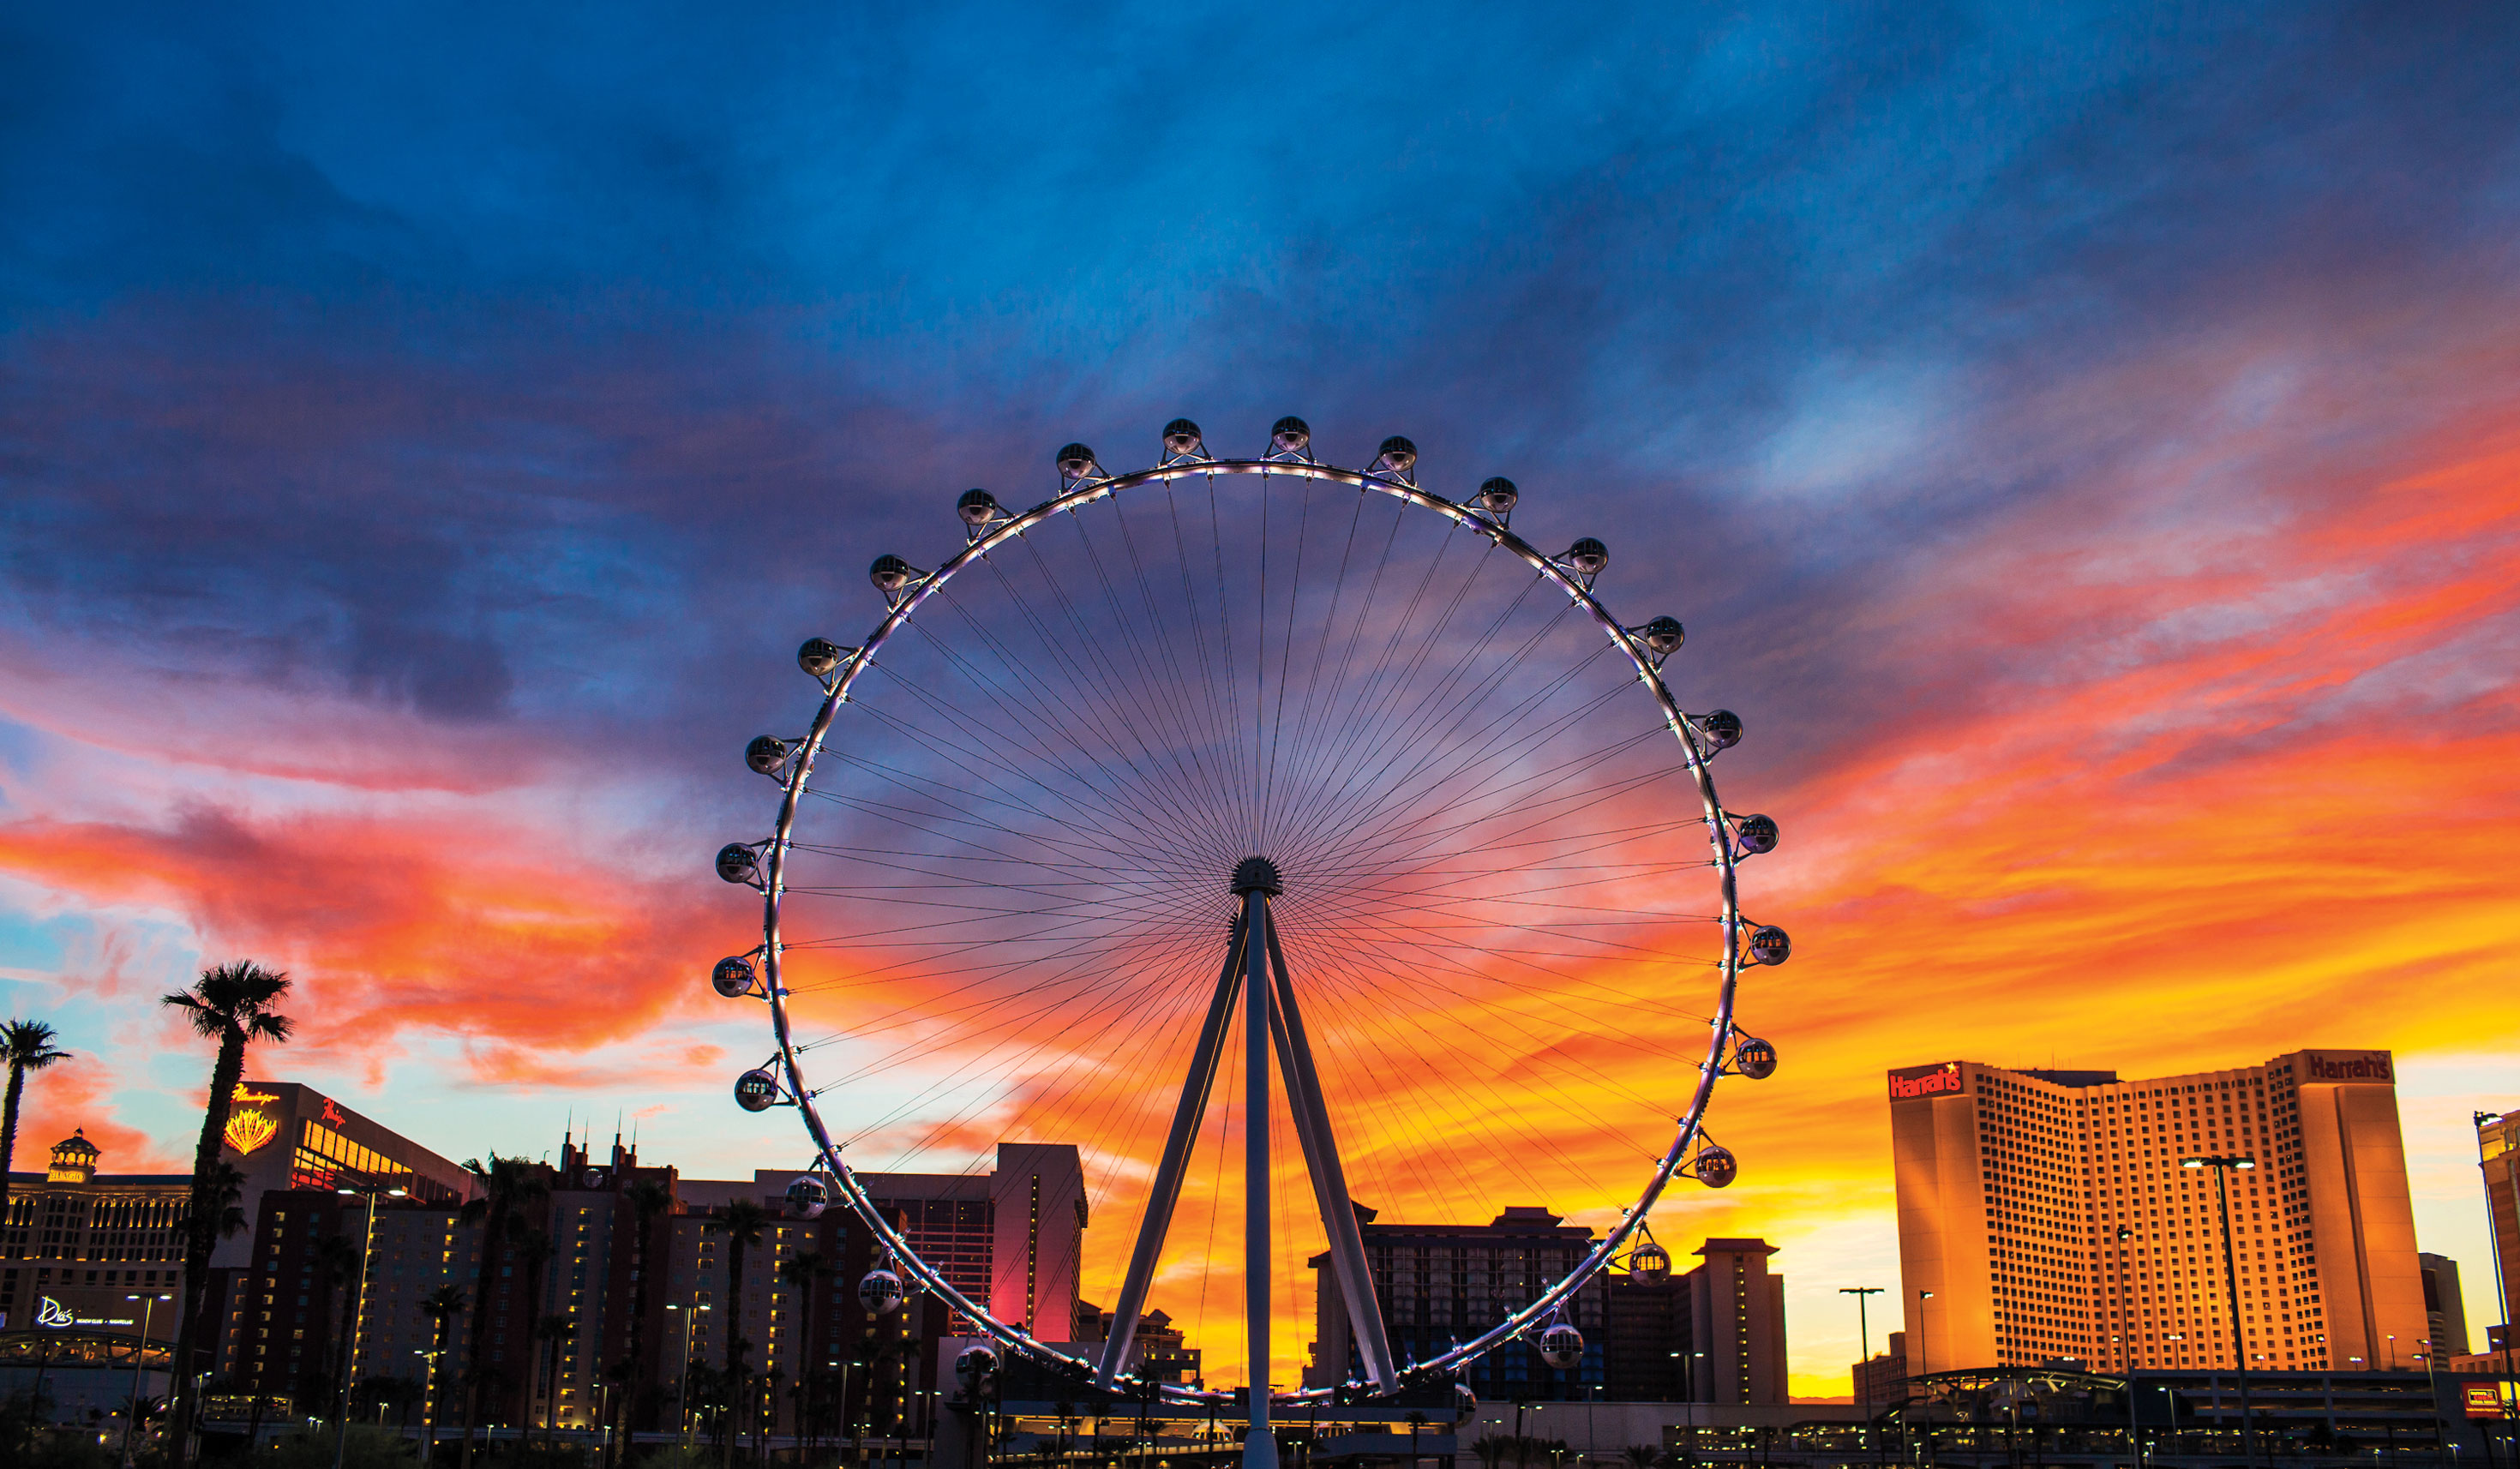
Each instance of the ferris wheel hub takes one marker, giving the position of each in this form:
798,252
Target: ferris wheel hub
1257,874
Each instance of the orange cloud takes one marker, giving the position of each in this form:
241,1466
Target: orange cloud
78,1094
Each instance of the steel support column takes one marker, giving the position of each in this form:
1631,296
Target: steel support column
1186,1115
1329,1178
1259,1443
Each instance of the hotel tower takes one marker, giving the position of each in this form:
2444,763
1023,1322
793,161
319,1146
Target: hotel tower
2049,1215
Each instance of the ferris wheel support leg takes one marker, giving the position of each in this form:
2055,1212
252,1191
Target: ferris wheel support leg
1260,1444
1195,1089
1330,1176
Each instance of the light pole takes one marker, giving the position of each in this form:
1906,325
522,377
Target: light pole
1924,1369
358,1312
1863,1352
2222,1165
131,1422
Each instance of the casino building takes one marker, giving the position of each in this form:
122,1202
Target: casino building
2046,1215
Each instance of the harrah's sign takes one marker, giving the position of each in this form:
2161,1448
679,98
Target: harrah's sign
2358,1066
1926,1081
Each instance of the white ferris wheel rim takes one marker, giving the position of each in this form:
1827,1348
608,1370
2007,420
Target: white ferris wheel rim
1086,485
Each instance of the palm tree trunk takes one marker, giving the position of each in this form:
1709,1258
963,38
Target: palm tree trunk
201,1232
734,1330
9,1136
476,1376
639,1372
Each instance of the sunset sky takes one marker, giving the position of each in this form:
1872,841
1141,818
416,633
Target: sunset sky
2084,444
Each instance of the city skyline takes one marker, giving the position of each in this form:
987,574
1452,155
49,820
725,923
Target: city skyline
2079,448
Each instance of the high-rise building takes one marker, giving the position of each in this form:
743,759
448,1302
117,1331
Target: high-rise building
2050,1214
78,1244
1883,1378
1441,1284
2445,1307
1012,1237
92,1241
616,1256
1647,1343
1736,1323
2497,1147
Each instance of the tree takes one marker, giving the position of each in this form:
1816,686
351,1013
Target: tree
741,1225
28,1046
1642,1456
554,1333
441,1306
533,1250
506,1185
234,1004
801,1273
337,1264
650,1201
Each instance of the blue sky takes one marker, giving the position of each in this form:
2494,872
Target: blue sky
425,432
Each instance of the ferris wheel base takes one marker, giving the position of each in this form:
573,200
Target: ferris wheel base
1260,1450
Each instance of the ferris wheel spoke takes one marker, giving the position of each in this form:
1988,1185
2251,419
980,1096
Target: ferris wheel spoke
1120,798
1371,822
1405,732
1390,655
1389,727
973,757
1157,1220
1086,651
1320,1141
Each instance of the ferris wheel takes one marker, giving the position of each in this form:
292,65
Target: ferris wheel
1265,739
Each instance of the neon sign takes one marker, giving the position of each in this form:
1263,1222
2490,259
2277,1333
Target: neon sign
1928,1083
250,1128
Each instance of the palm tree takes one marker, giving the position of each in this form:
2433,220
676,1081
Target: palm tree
234,1004
801,1273
533,1249
27,1045
337,1262
1642,1456
554,1332
741,1225
441,1306
506,1185
648,1200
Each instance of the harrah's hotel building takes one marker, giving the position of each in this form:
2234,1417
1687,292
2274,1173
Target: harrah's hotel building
2014,1188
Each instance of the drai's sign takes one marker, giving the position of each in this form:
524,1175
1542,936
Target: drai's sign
1925,1081
55,1315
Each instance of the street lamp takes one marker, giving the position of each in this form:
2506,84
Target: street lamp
358,1314
1924,1369
1863,1350
131,1420
2222,1165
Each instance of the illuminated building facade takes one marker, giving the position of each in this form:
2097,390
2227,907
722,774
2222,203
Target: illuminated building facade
2498,1146
1446,1283
77,1244
1012,1236
1736,1323
577,1253
2049,1216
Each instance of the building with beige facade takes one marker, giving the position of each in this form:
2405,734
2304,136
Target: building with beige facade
2046,1215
